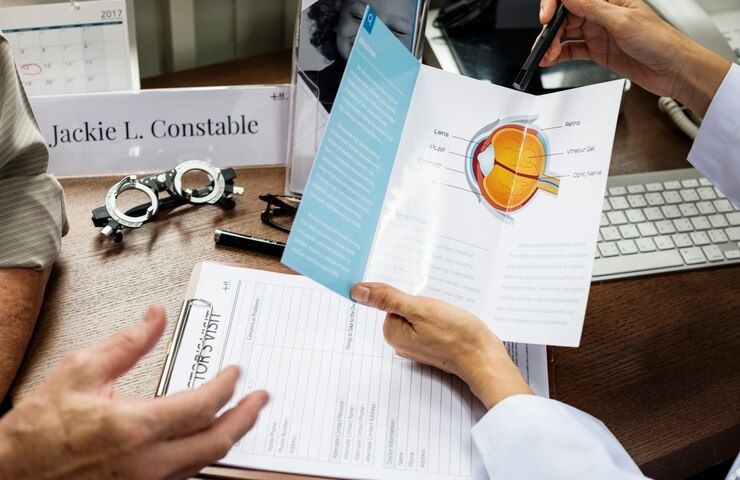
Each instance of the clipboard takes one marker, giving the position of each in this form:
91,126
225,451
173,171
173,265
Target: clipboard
173,349
224,472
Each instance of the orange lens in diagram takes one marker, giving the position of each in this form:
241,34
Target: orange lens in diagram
509,167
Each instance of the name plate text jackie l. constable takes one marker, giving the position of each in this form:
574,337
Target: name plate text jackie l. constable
159,129
118,133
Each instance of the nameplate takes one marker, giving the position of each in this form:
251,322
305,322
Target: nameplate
118,133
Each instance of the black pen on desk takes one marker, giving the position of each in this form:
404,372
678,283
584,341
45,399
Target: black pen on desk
247,242
540,48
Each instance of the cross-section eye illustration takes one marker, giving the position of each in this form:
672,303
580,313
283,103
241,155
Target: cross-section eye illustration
507,164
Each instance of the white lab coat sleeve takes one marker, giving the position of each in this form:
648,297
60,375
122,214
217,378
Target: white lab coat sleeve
716,150
526,437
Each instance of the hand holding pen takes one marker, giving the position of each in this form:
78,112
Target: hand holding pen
627,36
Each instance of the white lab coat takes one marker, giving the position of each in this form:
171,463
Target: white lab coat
528,437
716,151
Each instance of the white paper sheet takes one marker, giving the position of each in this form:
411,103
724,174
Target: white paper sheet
60,49
343,405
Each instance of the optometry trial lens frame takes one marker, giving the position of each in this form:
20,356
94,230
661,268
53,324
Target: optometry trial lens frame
111,220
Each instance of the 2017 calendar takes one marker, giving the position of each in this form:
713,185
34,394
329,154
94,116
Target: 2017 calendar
67,48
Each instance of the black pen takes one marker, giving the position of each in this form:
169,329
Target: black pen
246,242
540,48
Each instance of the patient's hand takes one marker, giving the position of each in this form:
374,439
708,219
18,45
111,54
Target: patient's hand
629,38
439,334
74,426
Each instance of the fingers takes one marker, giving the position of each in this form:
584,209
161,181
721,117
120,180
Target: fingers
192,411
119,354
547,10
108,360
385,298
188,455
397,331
602,12
576,50
556,47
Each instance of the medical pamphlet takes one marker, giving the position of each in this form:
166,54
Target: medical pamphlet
461,190
342,403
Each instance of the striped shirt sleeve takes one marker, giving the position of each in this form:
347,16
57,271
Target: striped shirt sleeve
32,214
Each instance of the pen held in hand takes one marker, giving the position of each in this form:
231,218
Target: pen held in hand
540,48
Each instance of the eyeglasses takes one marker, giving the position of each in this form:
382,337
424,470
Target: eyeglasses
280,212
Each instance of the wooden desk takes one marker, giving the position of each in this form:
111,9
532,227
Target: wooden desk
659,357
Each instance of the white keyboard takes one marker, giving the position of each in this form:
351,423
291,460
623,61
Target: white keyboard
665,222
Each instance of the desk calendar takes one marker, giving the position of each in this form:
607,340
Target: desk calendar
64,48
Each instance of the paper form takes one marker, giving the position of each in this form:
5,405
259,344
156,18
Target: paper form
63,49
342,403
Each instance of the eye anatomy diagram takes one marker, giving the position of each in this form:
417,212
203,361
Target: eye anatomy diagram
506,164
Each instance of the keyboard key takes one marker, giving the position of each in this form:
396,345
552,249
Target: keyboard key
718,221
672,185
706,208
627,247
701,223
734,218
654,187
719,193
655,199
700,239
646,245
665,227
672,197
635,216
683,225
671,211
619,203
692,256
732,254
629,231
637,262
597,255
637,201
636,189
688,209
607,207
617,218
718,236
690,183
647,229
733,234
682,240
664,243
705,182
653,214
604,221
723,206
690,195
610,234
617,191
608,249
713,253
706,193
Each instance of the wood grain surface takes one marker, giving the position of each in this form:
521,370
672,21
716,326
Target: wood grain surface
658,362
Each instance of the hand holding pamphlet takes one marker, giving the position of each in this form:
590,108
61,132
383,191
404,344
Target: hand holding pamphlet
449,187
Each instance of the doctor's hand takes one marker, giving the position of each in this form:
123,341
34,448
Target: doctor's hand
449,338
627,36
74,426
